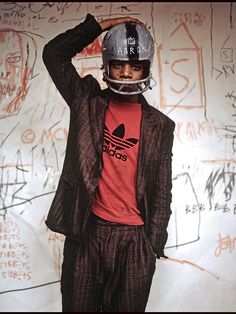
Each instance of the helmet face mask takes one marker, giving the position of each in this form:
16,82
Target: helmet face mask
128,42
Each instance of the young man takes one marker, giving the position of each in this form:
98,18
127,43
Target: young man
114,194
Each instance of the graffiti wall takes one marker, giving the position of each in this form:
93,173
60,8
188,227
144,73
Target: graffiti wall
194,84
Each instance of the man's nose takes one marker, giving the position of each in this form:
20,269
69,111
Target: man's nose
126,71
3,68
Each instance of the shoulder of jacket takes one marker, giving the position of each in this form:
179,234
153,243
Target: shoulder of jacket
93,84
160,116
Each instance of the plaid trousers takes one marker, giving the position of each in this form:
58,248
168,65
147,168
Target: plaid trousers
110,270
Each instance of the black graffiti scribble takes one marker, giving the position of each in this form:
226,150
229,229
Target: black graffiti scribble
232,98
221,177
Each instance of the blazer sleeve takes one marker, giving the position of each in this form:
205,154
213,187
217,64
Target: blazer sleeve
59,51
162,197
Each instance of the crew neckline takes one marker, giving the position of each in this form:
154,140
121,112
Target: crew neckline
124,104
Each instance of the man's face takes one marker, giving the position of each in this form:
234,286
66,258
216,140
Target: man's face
13,72
126,71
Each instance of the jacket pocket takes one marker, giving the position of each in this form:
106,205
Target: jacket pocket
149,244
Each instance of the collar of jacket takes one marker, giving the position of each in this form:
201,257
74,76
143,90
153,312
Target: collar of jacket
150,135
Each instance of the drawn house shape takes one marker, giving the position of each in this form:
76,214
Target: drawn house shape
180,70
184,224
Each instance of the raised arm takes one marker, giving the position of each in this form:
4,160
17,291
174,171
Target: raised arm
59,51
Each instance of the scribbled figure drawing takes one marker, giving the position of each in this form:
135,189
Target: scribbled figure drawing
220,181
17,59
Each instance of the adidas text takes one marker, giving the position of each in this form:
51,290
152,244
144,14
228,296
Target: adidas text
113,153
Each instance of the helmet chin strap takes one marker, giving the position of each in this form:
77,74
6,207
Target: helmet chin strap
142,85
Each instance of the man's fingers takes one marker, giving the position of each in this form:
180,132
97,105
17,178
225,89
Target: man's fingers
108,23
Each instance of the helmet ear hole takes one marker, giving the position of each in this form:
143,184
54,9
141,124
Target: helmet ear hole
146,68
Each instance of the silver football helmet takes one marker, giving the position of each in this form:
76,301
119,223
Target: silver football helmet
127,42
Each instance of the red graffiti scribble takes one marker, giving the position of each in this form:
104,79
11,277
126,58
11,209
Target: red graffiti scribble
184,262
16,68
92,50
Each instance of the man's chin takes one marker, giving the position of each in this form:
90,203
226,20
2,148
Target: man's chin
125,88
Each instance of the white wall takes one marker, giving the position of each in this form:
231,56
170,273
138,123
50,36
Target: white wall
194,69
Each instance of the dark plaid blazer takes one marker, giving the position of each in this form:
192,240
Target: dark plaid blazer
83,162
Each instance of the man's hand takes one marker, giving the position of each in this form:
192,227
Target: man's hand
109,23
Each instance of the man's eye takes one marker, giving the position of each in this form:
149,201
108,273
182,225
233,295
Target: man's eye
13,59
136,67
116,65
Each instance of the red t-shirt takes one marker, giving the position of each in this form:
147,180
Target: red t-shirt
115,199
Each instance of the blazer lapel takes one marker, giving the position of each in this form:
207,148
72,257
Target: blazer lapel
97,115
149,139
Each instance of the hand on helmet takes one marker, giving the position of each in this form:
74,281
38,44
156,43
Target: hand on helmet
109,23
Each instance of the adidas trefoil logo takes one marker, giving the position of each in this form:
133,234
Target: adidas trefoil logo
115,141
